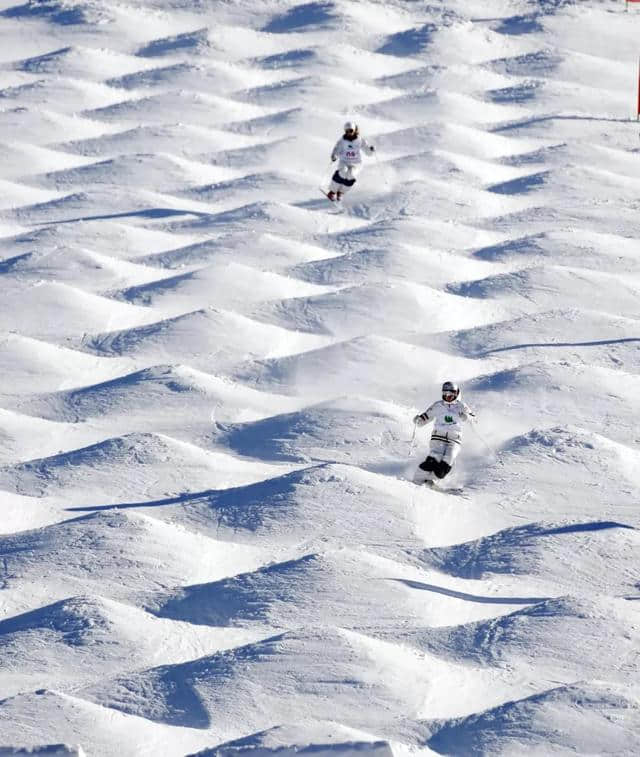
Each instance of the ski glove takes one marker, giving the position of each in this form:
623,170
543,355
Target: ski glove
420,419
372,148
333,158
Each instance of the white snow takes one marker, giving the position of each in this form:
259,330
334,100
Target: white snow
209,538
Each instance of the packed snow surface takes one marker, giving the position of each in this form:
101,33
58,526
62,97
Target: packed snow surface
210,542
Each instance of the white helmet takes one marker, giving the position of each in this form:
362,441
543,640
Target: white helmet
351,126
450,391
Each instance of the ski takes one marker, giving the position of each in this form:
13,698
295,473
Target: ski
337,204
457,490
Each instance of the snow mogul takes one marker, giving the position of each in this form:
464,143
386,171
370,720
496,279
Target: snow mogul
348,152
449,416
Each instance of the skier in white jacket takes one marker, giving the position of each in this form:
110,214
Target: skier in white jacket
348,152
448,415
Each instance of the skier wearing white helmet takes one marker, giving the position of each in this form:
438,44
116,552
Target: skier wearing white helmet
449,416
348,152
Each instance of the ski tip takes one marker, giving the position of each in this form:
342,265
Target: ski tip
457,490
335,201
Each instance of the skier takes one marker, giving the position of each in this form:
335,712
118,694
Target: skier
347,150
448,416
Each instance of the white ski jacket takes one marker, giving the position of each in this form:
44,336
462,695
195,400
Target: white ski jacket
349,151
448,418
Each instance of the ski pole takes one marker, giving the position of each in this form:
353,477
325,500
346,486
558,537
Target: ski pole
488,446
413,438
328,169
384,178
321,185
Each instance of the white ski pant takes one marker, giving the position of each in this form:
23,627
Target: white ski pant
443,449
344,177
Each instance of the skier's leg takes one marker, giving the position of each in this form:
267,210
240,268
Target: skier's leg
424,472
426,469
441,469
451,451
342,180
421,476
349,179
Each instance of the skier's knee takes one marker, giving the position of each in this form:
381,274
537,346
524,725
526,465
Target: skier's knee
345,181
441,469
429,464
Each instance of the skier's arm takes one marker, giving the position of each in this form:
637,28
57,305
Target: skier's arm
366,145
467,413
336,150
423,418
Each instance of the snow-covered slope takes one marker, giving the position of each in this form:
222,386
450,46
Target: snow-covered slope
210,542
